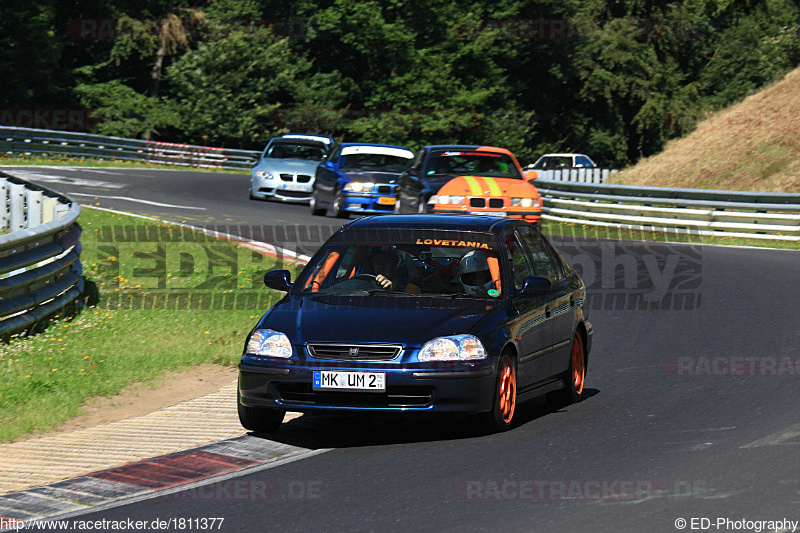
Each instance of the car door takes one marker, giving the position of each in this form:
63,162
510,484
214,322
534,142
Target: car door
326,176
560,306
410,185
530,326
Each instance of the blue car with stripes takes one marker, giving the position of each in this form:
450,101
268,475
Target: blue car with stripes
420,314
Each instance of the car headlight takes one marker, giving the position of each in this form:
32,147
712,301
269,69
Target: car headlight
264,174
525,202
357,186
269,343
444,199
452,348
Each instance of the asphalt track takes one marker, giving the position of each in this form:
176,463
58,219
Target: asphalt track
665,433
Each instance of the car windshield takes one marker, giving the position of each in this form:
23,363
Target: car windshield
295,150
555,161
469,163
421,266
388,163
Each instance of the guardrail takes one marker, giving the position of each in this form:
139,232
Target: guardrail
28,142
752,215
579,175
40,269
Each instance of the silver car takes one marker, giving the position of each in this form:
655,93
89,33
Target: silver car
287,167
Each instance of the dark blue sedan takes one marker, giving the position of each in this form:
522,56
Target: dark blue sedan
358,178
433,313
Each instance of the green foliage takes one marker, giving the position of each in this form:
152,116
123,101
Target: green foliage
613,78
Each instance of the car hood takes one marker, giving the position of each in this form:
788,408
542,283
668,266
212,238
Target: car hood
408,320
484,186
288,166
371,176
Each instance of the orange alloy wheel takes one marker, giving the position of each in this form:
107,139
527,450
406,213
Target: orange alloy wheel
578,364
507,389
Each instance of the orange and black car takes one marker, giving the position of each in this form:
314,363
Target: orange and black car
480,180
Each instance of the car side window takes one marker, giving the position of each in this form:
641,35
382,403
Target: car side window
520,262
581,161
417,165
541,256
334,155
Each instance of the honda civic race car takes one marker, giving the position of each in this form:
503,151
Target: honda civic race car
420,313
287,166
488,181
359,178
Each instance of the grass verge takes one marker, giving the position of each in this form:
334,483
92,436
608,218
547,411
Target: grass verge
105,163
169,299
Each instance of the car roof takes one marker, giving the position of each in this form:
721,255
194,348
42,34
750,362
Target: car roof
480,223
565,155
373,144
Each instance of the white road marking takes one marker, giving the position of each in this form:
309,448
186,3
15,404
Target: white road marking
779,438
137,200
66,180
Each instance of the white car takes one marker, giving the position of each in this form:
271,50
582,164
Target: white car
288,166
558,161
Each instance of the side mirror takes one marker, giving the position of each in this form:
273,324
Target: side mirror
280,280
534,286
530,175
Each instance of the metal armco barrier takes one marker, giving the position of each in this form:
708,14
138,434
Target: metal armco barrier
28,142
752,215
40,268
579,175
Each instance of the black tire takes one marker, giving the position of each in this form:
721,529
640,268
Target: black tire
501,417
336,207
574,378
259,419
316,211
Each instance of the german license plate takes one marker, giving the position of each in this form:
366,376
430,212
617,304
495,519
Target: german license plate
489,213
387,200
293,186
364,381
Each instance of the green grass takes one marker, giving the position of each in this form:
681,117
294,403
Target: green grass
47,377
115,163
561,229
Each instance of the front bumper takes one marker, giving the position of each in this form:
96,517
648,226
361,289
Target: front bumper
368,203
276,189
530,216
459,387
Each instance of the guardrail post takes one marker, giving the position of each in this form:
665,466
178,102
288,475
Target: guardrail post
16,197
33,199
3,203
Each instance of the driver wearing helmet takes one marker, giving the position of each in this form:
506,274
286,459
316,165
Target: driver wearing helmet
386,264
474,273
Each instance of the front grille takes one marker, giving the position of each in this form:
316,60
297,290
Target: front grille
477,202
395,396
385,189
303,178
354,352
293,194
496,203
